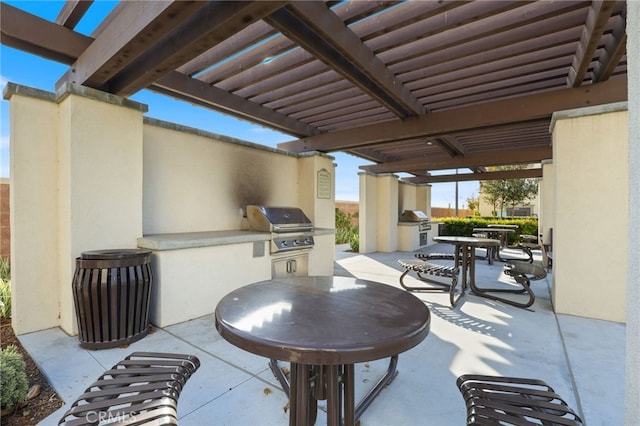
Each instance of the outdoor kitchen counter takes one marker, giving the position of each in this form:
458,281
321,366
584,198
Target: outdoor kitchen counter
183,240
193,270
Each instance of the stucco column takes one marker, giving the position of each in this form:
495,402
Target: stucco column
368,212
316,193
387,206
34,214
632,390
423,199
76,184
546,199
591,178
99,180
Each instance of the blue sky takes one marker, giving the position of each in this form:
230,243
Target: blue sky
29,70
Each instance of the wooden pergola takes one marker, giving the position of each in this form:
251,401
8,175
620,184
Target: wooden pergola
412,86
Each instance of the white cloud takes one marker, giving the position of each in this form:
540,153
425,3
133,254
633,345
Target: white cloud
3,82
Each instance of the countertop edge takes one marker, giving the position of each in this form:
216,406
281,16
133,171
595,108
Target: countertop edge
184,240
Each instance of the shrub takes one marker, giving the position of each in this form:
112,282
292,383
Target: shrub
464,227
5,299
345,230
5,289
5,269
354,242
14,385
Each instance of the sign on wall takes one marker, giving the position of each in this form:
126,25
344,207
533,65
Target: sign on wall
324,184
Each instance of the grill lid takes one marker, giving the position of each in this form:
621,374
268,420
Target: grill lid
413,216
278,219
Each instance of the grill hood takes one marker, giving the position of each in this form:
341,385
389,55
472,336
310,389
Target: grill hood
278,219
413,216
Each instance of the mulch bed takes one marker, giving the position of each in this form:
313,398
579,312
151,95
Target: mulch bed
41,406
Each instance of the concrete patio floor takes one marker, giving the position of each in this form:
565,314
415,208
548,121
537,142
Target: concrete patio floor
582,359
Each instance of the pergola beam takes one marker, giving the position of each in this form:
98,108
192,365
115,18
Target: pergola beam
464,177
318,30
72,12
30,33
613,52
121,43
192,90
597,19
507,157
505,111
214,22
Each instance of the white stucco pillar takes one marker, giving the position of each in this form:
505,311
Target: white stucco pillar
76,177
99,180
316,193
632,389
546,199
387,206
591,172
368,214
378,212
33,214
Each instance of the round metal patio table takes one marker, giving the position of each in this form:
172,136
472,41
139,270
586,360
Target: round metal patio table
323,326
465,256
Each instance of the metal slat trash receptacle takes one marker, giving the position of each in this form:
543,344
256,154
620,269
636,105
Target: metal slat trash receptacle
111,292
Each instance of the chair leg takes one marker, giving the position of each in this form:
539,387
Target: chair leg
526,289
436,285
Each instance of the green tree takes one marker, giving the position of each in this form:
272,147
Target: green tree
473,202
492,193
509,192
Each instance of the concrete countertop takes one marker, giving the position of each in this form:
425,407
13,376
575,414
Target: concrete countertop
182,240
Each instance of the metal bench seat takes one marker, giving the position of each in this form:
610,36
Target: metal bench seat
144,388
422,268
431,256
494,400
523,273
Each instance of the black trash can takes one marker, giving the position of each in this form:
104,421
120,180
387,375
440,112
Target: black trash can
111,292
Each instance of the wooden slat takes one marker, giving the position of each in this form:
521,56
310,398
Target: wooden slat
597,18
465,177
27,32
136,27
195,91
321,32
505,157
214,22
72,12
523,108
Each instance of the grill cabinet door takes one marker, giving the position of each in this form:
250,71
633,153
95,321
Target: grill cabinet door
291,266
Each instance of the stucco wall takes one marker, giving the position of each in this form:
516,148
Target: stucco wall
632,389
591,171
197,181
383,198
91,174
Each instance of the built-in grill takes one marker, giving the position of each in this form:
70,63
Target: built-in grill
417,216
424,223
291,237
290,228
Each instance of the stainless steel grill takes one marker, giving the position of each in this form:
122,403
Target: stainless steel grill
424,223
290,228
